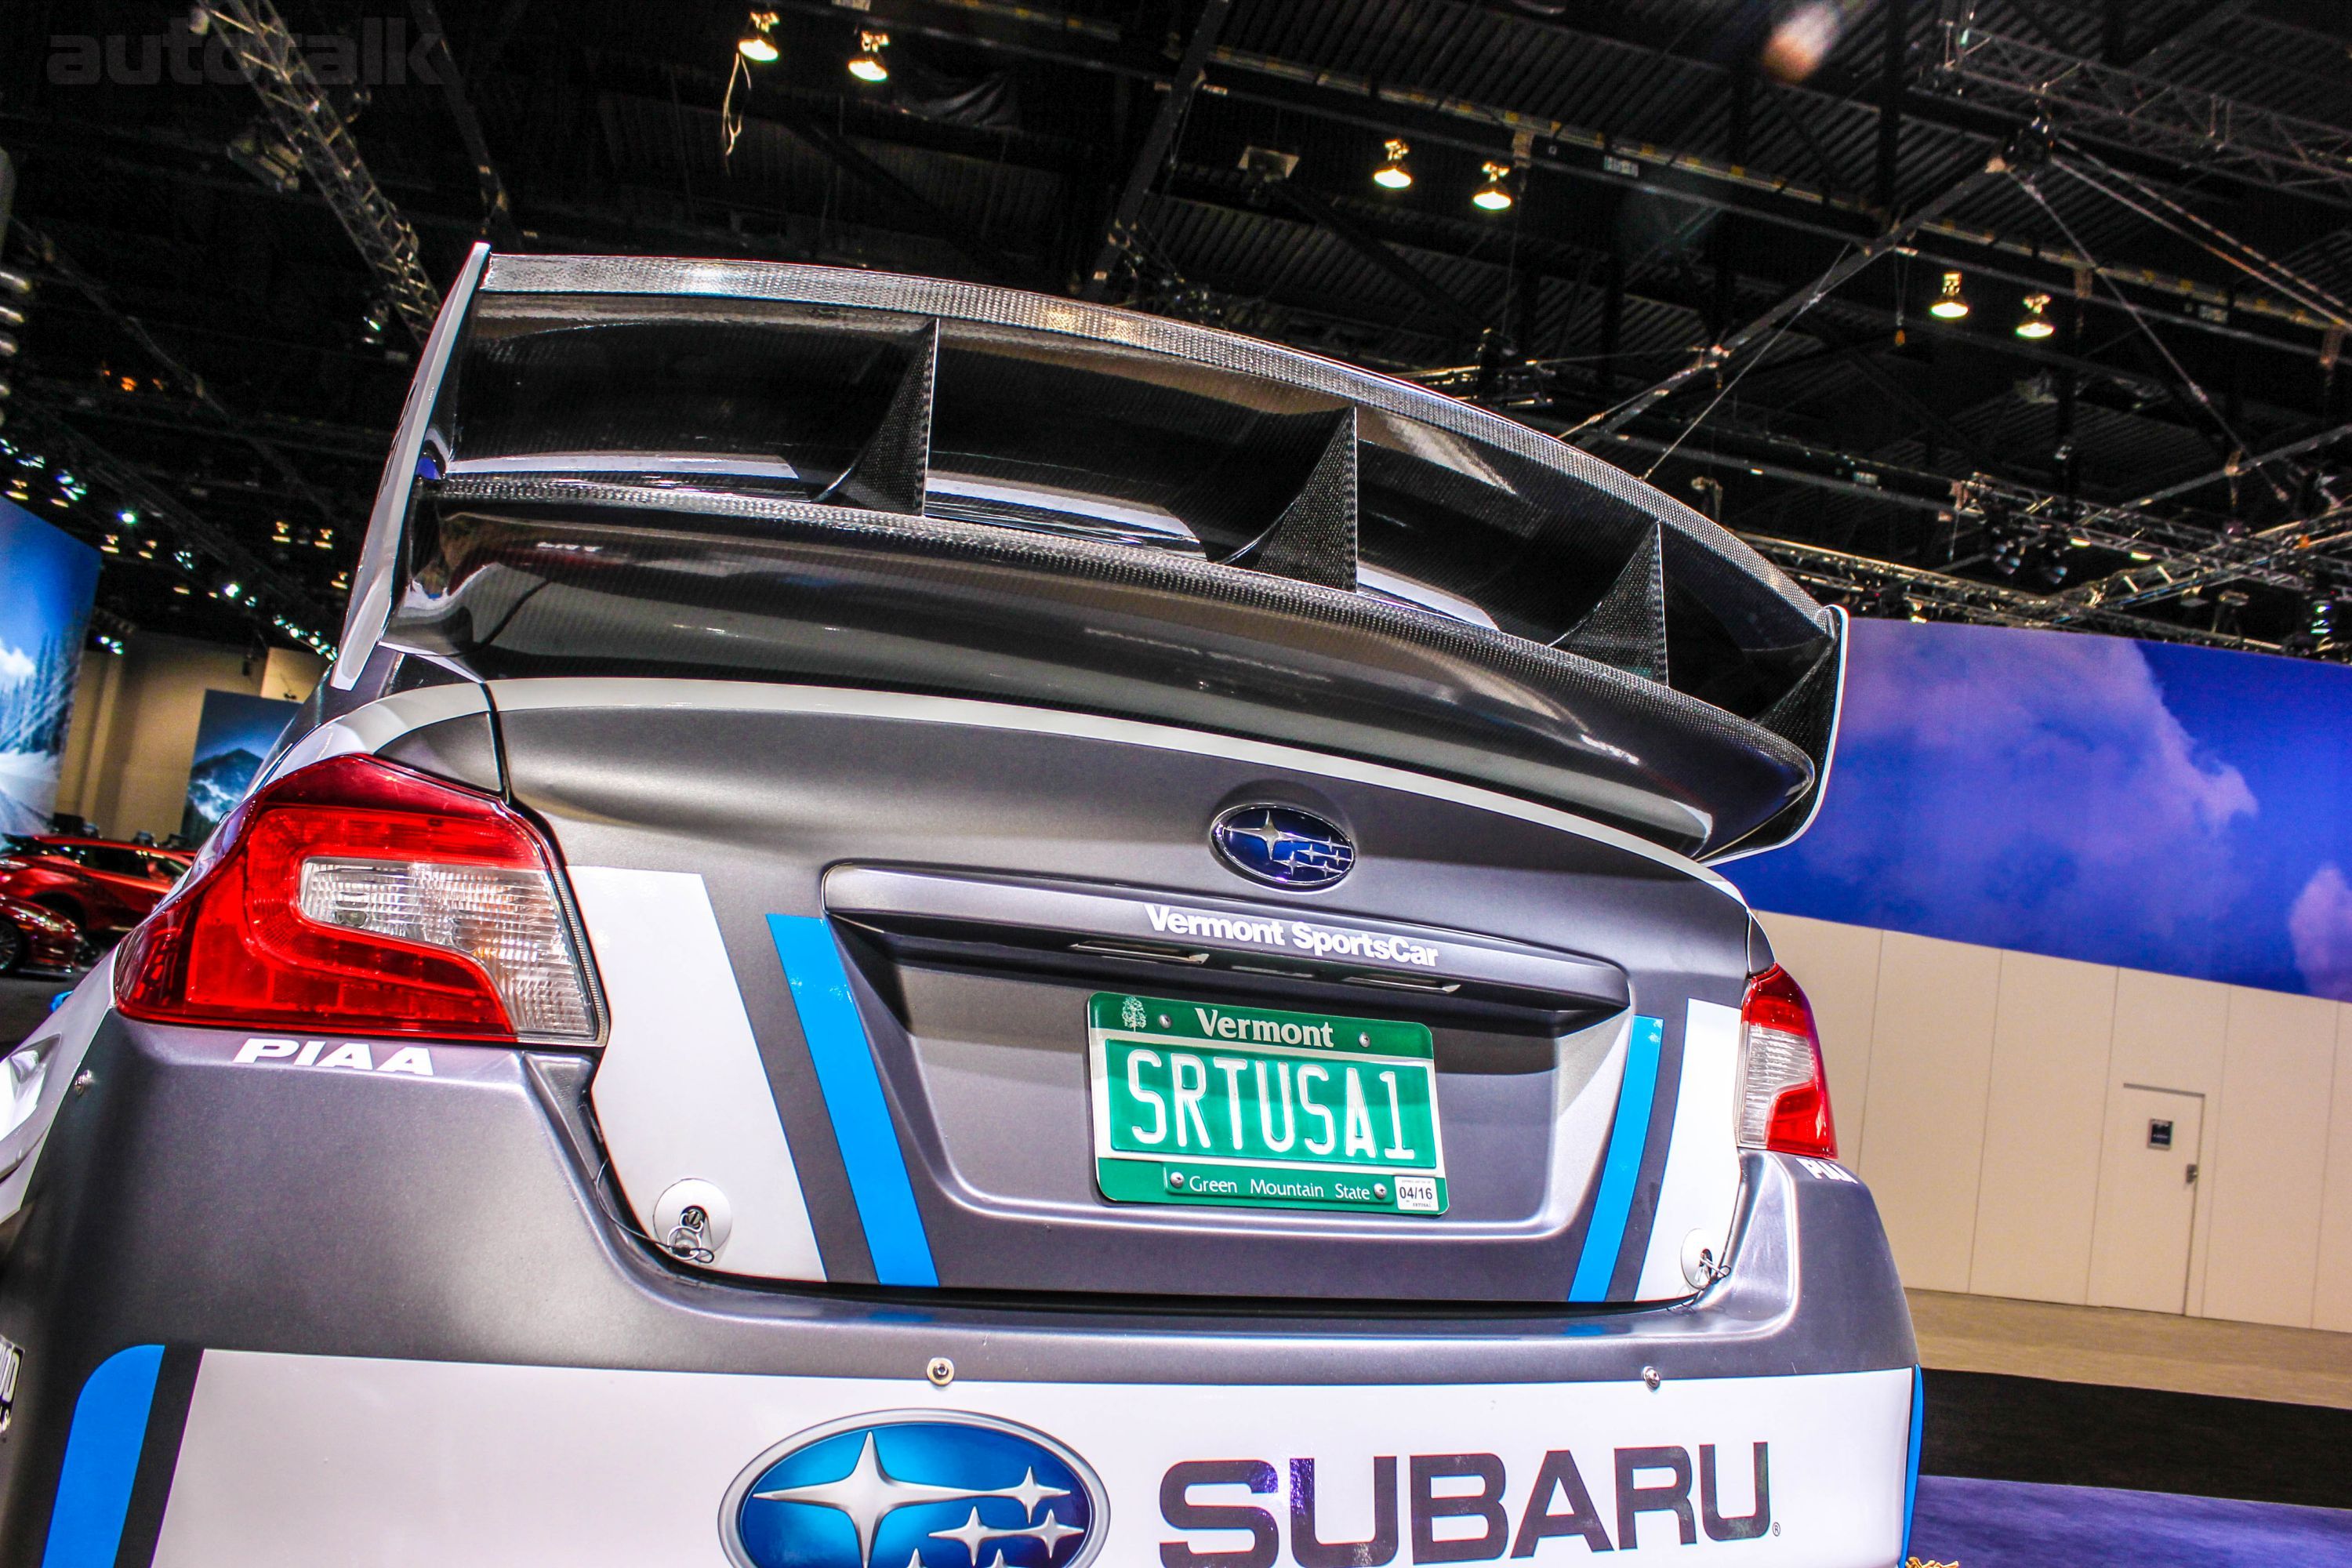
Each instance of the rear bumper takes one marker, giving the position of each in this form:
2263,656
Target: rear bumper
399,1308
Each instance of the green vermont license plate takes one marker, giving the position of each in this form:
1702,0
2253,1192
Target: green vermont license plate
1244,1106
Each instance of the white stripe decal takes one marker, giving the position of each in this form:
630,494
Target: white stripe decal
749,697
1701,1184
680,1092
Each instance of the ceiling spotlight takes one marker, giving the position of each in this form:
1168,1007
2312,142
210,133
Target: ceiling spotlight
1494,196
2034,324
1393,175
1948,305
756,46
868,65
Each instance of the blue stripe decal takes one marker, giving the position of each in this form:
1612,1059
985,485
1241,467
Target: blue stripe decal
852,1099
1911,1474
1622,1166
110,1425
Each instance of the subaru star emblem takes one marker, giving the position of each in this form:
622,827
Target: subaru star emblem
1281,845
916,1490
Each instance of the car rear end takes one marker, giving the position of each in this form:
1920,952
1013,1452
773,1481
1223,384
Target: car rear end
923,925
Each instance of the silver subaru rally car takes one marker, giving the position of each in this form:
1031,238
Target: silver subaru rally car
925,927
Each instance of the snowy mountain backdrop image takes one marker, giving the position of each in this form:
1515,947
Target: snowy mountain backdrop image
51,580
214,786
234,732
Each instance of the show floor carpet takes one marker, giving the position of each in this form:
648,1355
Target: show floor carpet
2016,1524
24,1002
2027,1472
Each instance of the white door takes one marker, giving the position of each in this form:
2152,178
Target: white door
2147,1199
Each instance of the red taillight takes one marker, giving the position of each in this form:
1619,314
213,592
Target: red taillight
357,895
1784,1095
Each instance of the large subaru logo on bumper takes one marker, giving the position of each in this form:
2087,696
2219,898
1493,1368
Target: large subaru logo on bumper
916,1490
1282,845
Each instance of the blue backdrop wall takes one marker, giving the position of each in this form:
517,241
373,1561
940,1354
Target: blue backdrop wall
2147,805
46,584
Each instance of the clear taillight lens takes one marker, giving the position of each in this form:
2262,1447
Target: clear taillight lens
1784,1092
357,895
505,919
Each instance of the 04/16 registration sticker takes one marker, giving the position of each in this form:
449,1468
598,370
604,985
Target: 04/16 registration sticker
1198,1103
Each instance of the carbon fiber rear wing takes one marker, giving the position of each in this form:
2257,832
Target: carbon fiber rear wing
763,471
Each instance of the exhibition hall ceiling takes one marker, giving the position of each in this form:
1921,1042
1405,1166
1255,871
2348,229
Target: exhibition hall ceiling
2025,311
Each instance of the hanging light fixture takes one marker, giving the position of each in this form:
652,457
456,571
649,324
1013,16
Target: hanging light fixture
868,65
1948,305
756,46
1393,175
1493,197
2033,323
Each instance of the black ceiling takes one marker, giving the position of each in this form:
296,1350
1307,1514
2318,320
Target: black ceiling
214,355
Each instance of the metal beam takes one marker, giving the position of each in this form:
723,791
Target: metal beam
1833,178
2189,125
1580,152
93,461
355,445
929,215
2227,562
2293,448
2111,528
1969,600
1322,214
1895,17
2159,48
1967,445
1191,71
1560,147
190,383
498,213
311,124
1787,308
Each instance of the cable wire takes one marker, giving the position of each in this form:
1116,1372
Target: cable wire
1819,293
2139,319
2212,239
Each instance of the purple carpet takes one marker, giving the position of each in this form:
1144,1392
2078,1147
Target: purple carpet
2014,1524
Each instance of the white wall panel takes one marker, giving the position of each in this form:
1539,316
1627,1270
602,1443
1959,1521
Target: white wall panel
1930,1062
1973,1089
2270,1161
2044,1110
2171,1033
1838,966
2331,1301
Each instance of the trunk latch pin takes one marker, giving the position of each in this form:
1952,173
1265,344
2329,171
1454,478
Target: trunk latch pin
687,1237
691,1222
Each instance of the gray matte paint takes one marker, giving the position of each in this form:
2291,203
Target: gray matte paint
189,1200
761,805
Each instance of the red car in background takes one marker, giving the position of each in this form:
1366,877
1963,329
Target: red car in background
103,887
33,937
